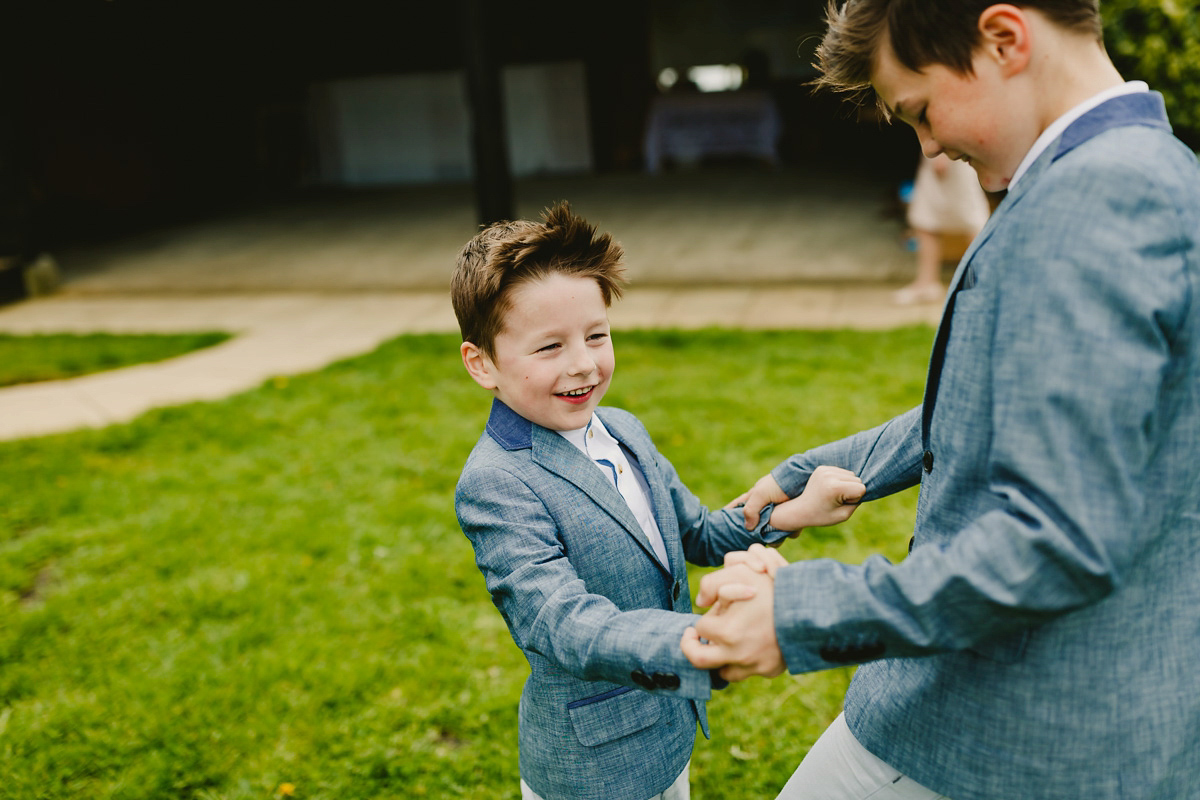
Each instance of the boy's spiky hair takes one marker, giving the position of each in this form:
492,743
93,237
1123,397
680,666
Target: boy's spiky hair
921,32
505,255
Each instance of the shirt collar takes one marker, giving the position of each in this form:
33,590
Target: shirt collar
600,435
1062,123
578,436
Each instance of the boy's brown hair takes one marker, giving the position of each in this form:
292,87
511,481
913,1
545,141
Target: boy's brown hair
505,255
921,32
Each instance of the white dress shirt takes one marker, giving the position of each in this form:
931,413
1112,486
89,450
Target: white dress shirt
1059,125
606,453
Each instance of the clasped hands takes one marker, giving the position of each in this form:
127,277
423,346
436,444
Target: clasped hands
737,634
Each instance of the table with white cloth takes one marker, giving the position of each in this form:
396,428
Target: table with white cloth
686,127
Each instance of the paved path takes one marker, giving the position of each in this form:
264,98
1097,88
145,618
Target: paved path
329,276
287,333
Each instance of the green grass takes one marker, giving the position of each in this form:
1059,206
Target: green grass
48,357
221,598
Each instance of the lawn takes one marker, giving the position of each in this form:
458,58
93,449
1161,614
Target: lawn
48,357
269,595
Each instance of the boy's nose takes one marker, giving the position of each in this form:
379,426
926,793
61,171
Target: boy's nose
929,145
581,362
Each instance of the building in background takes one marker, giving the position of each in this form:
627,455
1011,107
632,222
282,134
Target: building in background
128,114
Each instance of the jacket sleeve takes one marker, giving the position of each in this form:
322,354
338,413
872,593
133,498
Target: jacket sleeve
887,458
1081,359
708,535
545,603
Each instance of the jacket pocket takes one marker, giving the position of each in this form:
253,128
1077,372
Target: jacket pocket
610,715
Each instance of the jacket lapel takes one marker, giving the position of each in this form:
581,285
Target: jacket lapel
660,496
555,454
943,331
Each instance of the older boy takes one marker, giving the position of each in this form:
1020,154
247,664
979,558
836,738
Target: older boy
1041,639
581,527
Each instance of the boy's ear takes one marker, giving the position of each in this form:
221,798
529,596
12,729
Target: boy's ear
478,365
1005,37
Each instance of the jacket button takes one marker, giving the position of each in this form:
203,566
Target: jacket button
911,541
666,680
927,460
850,654
870,652
834,655
642,679
676,589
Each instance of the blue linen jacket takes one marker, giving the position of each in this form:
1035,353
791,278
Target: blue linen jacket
1042,638
609,710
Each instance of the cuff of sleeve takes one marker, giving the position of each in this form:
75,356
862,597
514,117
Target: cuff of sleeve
792,627
764,530
791,477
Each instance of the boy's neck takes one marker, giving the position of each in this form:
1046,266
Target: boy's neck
1068,69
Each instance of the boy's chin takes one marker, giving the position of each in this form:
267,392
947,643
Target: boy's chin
991,181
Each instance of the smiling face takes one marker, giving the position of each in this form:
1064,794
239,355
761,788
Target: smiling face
981,117
554,359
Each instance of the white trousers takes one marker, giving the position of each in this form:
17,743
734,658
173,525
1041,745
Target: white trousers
839,768
679,790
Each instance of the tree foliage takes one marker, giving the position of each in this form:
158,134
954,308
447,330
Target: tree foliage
1158,41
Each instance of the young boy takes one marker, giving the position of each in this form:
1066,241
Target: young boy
581,527
1040,640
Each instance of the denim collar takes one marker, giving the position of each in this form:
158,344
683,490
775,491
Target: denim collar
510,430
1138,108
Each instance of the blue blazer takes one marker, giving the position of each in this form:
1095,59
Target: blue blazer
610,707
1042,638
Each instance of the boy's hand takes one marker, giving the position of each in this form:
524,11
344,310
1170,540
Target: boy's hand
737,637
830,497
766,490
757,557
717,591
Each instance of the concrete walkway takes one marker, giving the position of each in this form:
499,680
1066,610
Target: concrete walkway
276,290
279,334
